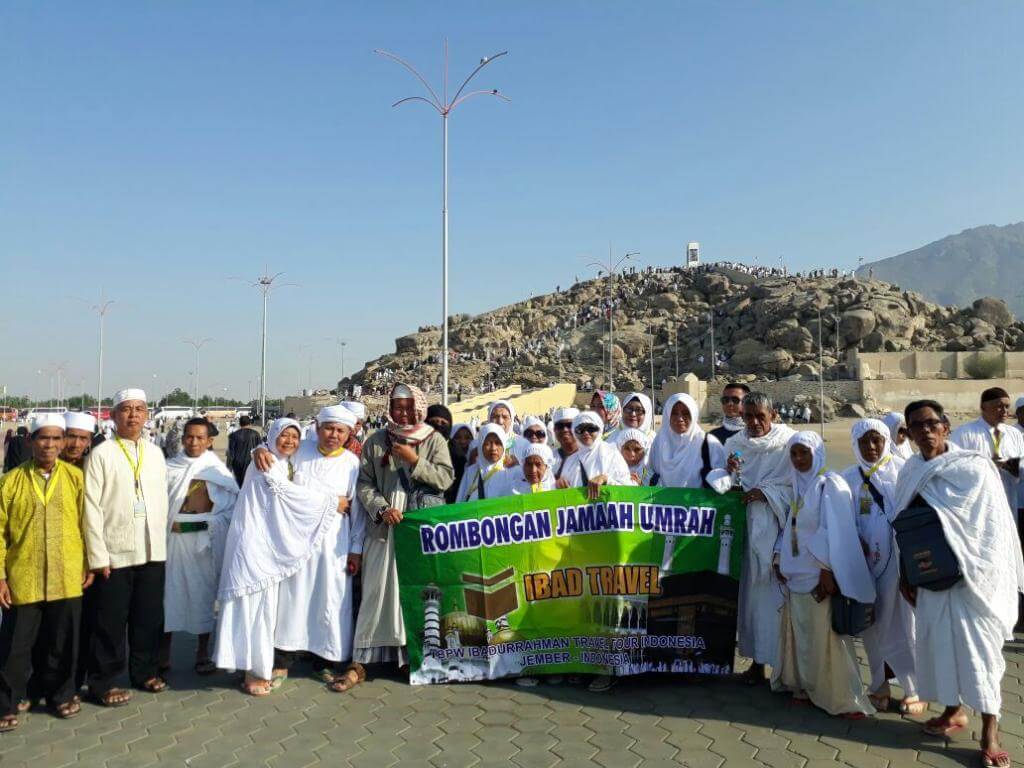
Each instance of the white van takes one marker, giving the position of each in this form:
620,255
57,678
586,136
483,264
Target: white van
172,412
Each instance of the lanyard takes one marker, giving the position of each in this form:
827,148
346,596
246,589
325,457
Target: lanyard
481,479
865,489
795,507
50,487
135,465
536,488
332,454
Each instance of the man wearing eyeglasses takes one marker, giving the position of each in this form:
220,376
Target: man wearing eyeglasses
991,435
567,445
732,411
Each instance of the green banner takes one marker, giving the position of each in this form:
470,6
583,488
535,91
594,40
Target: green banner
641,580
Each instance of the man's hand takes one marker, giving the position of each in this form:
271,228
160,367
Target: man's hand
262,458
392,516
5,594
343,505
405,453
104,572
827,582
87,579
755,494
354,563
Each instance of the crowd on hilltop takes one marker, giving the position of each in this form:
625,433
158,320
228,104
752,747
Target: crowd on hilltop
107,548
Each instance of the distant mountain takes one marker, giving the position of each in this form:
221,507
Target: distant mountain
984,261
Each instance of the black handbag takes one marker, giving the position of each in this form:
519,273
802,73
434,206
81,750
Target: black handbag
850,617
926,559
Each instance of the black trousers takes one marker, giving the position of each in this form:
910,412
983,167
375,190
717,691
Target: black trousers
39,641
130,602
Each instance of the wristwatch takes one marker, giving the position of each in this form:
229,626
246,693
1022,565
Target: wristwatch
380,513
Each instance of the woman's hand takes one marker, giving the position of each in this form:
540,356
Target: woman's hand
262,458
755,494
594,486
392,516
405,453
561,483
343,505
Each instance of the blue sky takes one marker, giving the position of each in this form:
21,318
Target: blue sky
158,149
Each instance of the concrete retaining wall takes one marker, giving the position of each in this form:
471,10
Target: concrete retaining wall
957,395
787,391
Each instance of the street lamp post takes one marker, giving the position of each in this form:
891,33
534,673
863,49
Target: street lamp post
821,379
612,268
653,401
197,344
341,344
444,108
100,309
711,320
265,283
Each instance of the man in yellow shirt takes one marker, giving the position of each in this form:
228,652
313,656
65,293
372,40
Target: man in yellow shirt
42,574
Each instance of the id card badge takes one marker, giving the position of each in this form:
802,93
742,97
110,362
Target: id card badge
140,508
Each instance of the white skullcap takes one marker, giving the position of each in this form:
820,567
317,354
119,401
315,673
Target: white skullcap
129,394
356,407
336,414
83,421
541,450
565,414
1019,404
41,420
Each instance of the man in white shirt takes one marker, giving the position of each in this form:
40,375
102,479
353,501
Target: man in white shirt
991,436
126,542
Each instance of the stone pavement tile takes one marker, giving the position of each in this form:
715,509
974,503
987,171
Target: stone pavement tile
535,758
433,716
810,748
534,725
616,758
654,750
948,758
497,717
570,750
689,741
292,758
220,758
719,731
130,760
346,734
766,740
699,758
780,758
452,758
151,744
865,760
612,742
458,741
335,754
373,758
569,715
535,740
733,750
413,750
180,752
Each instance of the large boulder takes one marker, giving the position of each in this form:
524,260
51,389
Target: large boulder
418,343
992,310
855,324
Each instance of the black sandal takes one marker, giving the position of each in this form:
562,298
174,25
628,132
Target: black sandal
68,709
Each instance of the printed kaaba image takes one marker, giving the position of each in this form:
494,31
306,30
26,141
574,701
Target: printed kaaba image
700,604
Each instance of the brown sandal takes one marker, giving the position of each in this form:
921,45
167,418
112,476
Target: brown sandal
68,709
255,686
155,685
345,682
115,697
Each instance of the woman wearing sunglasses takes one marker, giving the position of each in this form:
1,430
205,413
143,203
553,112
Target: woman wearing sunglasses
596,462
637,413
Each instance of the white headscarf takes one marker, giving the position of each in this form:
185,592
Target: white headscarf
677,458
277,426
836,542
887,471
514,478
648,422
511,438
599,458
640,469
894,421
457,427
488,472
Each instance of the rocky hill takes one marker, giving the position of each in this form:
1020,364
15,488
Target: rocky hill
983,261
764,327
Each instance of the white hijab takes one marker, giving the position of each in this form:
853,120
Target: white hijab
836,542
886,472
599,458
646,426
894,421
488,472
275,528
677,458
642,468
515,482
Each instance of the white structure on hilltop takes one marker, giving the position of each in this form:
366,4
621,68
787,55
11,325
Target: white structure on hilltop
692,254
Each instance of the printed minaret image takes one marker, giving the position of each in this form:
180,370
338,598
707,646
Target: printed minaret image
666,555
431,620
725,545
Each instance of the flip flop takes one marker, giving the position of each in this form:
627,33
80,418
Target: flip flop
990,759
155,685
68,709
9,723
257,688
932,728
108,699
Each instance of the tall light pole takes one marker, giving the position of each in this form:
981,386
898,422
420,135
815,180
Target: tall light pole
444,108
675,347
341,344
653,401
100,309
197,344
265,284
711,320
612,267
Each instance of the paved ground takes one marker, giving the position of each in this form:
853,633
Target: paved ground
207,723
